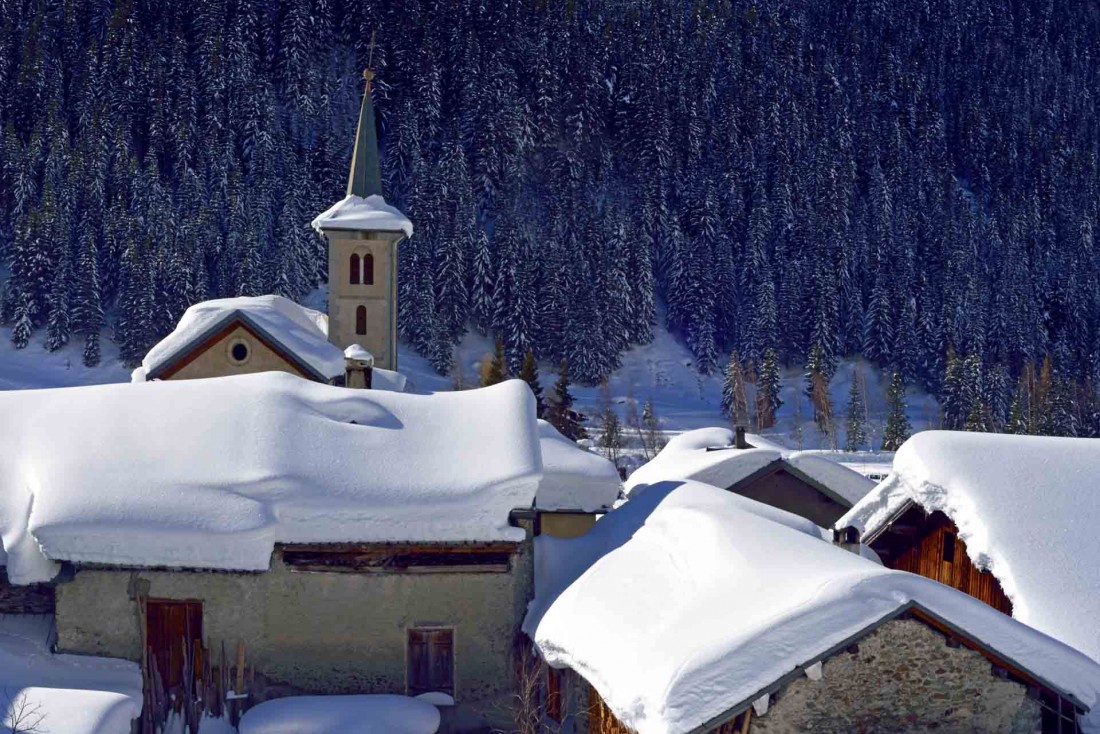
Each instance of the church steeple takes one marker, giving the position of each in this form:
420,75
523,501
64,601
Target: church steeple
365,177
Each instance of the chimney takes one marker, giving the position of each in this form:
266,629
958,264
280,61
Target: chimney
739,441
848,539
359,368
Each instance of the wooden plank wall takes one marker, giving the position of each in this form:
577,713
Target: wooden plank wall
926,558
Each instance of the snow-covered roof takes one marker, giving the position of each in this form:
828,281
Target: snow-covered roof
1026,507
299,332
74,694
363,214
708,455
574,478
688,602
212,473
382,379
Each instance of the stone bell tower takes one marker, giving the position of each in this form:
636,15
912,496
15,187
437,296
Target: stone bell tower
363,231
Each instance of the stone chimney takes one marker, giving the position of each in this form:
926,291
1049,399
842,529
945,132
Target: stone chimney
359,367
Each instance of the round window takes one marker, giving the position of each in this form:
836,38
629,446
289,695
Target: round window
238,352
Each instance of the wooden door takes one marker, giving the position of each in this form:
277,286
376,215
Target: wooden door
172,627
431,661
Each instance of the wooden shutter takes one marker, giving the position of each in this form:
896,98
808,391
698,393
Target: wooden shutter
443,661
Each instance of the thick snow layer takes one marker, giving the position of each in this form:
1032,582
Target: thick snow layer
359,352
688,601
573,477
369,214
73,694
707,455
387,380
1028,510
211,473
366,714
300,330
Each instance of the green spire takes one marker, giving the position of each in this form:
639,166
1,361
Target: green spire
365,177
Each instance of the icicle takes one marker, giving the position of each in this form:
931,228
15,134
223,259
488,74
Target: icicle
760,705
814,671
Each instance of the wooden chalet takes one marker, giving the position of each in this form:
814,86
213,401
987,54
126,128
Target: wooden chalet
928,544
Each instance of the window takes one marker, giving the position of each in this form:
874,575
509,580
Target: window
238,351
353,270
368,269
361,320
948,547
431,662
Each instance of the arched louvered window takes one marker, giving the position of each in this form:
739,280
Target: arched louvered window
368,269
361,320
354,270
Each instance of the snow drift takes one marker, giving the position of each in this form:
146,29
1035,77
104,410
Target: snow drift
212,473
366,714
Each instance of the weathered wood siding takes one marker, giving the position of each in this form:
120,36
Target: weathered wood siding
931,556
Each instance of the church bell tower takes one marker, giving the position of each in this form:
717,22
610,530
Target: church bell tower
363,232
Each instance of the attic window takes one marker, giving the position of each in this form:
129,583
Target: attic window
238,352
948,547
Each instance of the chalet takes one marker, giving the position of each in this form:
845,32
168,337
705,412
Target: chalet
801,482
691,609
353,540
1010,520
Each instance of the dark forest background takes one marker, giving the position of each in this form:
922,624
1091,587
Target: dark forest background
913,181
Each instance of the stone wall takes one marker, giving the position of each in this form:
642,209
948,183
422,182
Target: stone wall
322,632
30,599
903,678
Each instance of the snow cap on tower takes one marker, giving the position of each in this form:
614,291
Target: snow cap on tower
365,176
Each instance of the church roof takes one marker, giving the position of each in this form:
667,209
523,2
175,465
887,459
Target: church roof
365,176
298,333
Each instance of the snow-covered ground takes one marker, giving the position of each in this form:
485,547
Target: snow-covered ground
61,694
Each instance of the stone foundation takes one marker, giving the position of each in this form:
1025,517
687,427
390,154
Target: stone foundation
903,678
31,599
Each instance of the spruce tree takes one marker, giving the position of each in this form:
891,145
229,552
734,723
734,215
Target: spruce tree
529,373
898,428
767,390
734,402
559,408
856,434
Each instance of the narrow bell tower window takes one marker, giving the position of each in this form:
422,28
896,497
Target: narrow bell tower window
368,269
361,320
354,270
